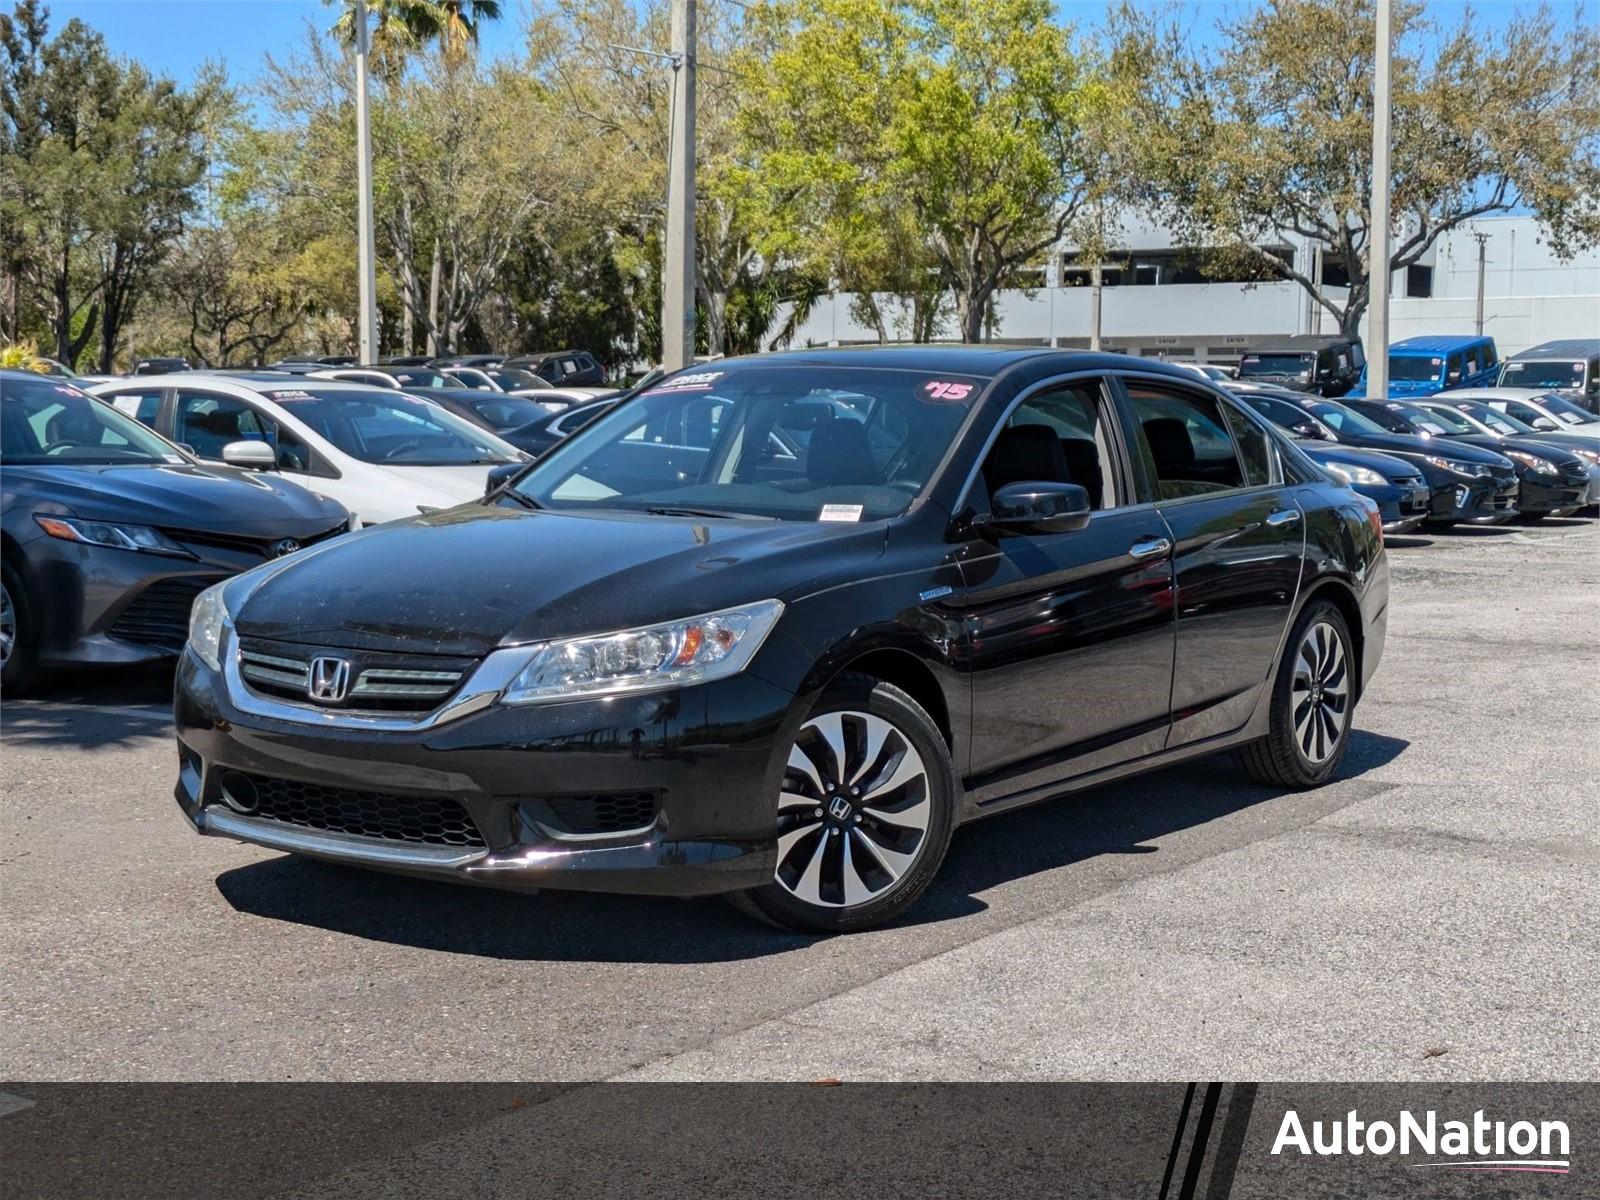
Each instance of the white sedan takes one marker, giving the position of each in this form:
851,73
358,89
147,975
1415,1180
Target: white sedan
380,453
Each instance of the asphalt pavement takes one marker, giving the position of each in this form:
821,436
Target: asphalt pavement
1429,915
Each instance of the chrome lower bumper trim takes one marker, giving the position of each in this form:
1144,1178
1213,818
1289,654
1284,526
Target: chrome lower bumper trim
274,835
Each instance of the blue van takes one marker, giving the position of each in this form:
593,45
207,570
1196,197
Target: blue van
1421,366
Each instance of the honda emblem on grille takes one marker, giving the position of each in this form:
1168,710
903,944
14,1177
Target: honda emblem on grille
282,546
329,680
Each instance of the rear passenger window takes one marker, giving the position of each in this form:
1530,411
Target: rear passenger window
143,407
1185,440
1255,452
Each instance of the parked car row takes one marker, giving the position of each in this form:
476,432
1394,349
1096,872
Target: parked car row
1336,366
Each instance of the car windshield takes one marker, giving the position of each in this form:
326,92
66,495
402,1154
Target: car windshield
1443,418
1411,368
1566,411
791,442
1495,419
1274,364
1543,373
1279,412
388,427
49,421
514,380
409,377
502,411
1345,420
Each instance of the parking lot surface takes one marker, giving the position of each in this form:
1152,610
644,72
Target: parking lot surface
1430,914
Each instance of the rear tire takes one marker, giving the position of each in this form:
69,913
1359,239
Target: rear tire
18,635
867,807
1313,704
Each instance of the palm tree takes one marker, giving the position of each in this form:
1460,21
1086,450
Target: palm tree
399,27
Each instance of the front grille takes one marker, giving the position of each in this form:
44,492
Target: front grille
258,546
428,820
159,615
606,812
416,683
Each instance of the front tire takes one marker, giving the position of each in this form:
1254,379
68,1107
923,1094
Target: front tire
865,814
1313,704
18,635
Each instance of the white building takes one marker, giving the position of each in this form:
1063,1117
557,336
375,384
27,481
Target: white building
1152,306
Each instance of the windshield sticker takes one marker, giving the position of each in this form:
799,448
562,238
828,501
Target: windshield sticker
697,379
841,512
944,389
289,397
174,458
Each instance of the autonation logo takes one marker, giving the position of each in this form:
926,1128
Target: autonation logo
1476,1145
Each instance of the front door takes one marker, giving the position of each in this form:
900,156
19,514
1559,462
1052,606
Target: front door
1238,543
1071,634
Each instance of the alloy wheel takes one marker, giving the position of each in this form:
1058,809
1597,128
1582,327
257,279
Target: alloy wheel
1320,695
854,812
8,625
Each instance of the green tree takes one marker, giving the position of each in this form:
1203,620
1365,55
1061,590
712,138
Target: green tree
1267,138
967,115
100,166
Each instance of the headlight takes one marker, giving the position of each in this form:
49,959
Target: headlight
206,620
1471,469
1354,474
1588,456
672,654
1532,461
104,533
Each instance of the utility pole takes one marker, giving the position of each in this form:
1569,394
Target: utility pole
678,271
1378,219
1096,282
1482,239
367,319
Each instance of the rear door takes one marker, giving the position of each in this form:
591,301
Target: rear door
1071,633
1238,545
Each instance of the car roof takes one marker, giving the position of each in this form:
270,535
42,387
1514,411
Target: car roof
1301,342
1439,343
961,359
259,382
1560,348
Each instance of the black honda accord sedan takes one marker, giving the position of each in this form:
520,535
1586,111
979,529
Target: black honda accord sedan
109,532
775,626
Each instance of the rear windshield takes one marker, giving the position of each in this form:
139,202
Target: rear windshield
1274,364
388,427
793,443
1554,373
50,421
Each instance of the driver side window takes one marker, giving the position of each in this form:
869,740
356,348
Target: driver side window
1056,437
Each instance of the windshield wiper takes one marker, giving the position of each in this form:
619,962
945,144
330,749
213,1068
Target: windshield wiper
708,512
520,497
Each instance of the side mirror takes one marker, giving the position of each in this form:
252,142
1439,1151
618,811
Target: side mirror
1544,423
501,475
1039,507
252,456
1307,429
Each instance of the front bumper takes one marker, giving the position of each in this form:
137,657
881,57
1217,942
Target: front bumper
1400,508
1551,494
1482,500
709,756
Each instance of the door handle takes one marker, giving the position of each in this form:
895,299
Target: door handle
1150,547
1284,516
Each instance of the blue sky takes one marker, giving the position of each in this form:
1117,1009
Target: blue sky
175,37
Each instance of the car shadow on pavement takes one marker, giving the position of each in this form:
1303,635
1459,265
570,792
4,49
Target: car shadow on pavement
88,710
556,926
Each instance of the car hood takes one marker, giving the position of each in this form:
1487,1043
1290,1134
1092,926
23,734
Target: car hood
476,577
440,486
1556,454
1389,467
1405,443
177,495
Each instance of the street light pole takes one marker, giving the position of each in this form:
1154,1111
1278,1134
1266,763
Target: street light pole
1483,241
678,270
1378,220
367,319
